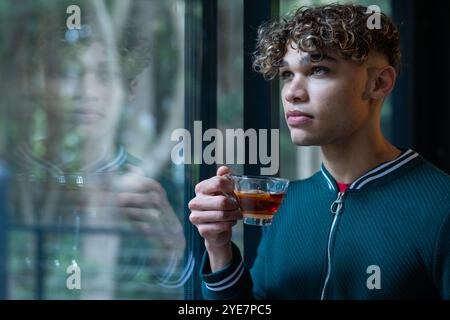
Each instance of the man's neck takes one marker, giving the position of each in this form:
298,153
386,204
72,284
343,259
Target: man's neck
349,160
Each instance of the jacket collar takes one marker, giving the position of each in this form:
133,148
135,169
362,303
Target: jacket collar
378,173
26,161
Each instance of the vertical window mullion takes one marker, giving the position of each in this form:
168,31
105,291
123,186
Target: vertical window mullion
261,99
200,105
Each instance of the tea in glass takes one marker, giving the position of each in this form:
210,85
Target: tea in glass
259,197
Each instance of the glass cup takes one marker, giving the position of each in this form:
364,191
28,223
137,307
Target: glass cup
259,197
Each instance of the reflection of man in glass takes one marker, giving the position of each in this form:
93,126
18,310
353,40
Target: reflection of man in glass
78,194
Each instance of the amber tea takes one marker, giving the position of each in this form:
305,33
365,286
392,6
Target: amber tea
259,197
255,202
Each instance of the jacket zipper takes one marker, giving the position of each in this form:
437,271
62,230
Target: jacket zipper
336,208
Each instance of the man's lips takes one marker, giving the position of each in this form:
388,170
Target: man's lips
87,112
87,116
296,118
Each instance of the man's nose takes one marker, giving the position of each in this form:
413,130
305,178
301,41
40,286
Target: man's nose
88,83
89,88
296,92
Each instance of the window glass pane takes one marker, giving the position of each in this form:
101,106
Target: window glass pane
302,162
88,105
230,95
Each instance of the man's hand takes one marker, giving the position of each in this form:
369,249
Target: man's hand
144,202
214,211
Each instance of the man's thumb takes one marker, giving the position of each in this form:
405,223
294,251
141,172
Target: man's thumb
223,170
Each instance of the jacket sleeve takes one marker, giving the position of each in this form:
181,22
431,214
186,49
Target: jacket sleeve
442,259
231,282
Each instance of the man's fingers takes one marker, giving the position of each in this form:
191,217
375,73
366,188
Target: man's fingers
142,215
200,217
141,200
215,185
134,169
213,203
223,170
131,182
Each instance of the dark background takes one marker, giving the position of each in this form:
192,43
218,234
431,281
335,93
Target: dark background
421,113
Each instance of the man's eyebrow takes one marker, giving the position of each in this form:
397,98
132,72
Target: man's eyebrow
317,57
311,58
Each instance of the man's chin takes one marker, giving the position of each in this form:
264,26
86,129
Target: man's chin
305,141
84,131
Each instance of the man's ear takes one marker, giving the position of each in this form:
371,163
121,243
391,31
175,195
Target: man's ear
381,82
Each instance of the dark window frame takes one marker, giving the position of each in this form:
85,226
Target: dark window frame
261,106
200,105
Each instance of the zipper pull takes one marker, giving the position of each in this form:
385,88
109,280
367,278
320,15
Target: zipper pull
337,205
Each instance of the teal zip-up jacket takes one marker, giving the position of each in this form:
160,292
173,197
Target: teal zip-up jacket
386,237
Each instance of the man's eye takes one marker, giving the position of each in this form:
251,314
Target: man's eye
319,70
286,75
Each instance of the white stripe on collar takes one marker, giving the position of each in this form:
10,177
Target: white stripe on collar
29,159
376,173
414,155
115,163
25,158
381,167
330,184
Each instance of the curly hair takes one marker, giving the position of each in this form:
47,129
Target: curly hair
41,37
337,27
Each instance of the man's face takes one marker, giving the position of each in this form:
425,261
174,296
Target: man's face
323,101
92,95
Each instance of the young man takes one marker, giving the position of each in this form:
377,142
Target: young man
374,222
